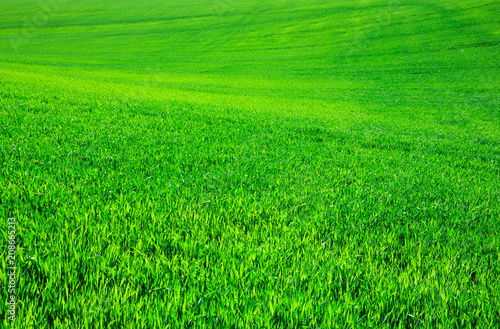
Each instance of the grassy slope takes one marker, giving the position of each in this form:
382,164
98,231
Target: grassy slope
349,153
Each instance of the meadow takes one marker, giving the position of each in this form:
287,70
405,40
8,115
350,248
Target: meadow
251,164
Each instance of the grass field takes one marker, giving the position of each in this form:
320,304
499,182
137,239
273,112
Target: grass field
250,164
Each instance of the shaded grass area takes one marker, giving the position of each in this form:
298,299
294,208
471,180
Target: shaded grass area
274,164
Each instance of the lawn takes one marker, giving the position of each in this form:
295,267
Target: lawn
250,164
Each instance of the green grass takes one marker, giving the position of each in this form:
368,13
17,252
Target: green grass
251,164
